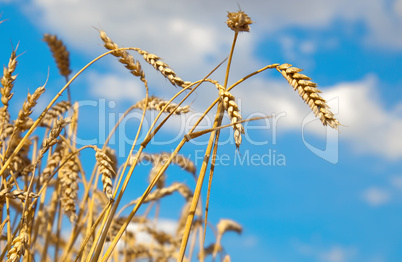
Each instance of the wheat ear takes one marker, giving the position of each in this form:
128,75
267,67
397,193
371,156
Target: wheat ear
16,194
309,93
155,103
162,192
233,112
27,107
54,134
51,164
68,175
164,68
239,21
105,165
7,81
60,54
55,111
19,244
125,58
223,226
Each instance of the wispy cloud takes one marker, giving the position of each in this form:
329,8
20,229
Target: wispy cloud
375,196
332,253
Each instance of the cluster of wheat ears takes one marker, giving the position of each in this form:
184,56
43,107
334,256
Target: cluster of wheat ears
44,187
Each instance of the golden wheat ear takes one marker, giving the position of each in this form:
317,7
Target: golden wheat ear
19,245
60,54
155,103
107,169
309,93
68,175
229,103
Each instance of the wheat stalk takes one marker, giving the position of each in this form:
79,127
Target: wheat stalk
309,93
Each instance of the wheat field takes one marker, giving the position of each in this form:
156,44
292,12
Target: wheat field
44,186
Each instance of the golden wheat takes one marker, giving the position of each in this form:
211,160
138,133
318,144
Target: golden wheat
155,103
7,81
27,107
106,168
60,54
68,175
164,68
54,134
125,58
35,228
239,21
55,111
19,245
309,93
233,112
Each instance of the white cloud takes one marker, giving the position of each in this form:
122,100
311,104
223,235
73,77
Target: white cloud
336,254
333,253
376,196
115,87
369,127
396,181
200,25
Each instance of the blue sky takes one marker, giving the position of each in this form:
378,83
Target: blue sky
340,205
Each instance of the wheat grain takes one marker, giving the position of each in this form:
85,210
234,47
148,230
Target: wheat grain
155,103
233,112
60,54
68,175
239,21
27,107
309,93
106,169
